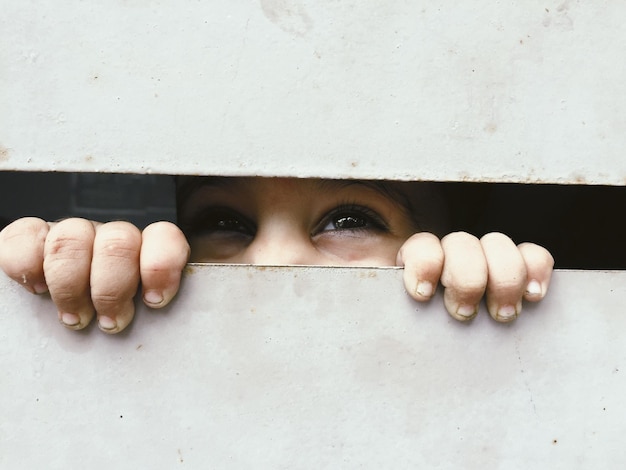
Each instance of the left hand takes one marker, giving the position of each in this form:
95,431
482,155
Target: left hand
469,268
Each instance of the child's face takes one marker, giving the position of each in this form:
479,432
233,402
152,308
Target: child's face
294,221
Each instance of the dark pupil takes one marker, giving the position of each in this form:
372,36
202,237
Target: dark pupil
349,221
230,224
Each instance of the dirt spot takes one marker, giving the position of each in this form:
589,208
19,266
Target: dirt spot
288,15
368,274
4,154
189,270
491,128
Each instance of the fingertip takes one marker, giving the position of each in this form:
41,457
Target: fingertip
422,258
424,289
158,299
505,313
107,324
22,252
535,291
164,254
112,323
76,320
539,265
40,288
153,298
461,311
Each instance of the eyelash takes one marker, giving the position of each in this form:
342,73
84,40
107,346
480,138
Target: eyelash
372,219
209,219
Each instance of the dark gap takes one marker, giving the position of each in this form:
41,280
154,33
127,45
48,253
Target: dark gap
582,226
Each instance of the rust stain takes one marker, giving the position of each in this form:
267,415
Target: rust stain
189,270
368,274
89,158
4,154
491,127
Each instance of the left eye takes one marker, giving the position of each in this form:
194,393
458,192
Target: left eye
352,218
346,222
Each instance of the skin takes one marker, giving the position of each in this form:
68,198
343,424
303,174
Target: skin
92,269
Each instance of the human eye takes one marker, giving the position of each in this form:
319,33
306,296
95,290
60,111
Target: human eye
352,218
219,221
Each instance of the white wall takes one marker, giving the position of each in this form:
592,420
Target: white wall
529,91
317,368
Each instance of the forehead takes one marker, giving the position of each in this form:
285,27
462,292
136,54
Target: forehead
186,186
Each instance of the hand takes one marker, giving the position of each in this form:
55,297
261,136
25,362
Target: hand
469,268
91,268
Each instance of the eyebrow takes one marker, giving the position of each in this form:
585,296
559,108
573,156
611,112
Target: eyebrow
187,185
382,187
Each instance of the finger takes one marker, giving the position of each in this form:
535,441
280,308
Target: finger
164,253
507,277
422,258
539,265
67,262
464,274
115,274
21,253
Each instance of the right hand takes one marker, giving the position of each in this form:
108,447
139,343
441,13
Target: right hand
91,268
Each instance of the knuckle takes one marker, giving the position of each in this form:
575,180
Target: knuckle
107,299
156,266
69,239
508,286
67,247
64,294
464,286
118,243
495,237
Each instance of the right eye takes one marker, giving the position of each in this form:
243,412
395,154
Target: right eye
219,220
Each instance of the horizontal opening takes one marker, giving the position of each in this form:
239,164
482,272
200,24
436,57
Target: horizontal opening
580,225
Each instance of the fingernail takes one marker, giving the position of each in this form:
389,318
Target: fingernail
424,288
533,288
506,313
40,288
153,297
467,312
106,323
69,319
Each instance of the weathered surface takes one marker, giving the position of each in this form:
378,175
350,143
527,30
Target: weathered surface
318,368
529,92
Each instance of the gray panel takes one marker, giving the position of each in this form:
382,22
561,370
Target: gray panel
528,91
318,368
